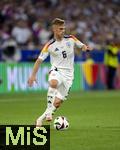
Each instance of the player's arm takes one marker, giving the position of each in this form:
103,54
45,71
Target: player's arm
80,45
43,55
32,78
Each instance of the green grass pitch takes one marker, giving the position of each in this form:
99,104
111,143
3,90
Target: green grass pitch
94,118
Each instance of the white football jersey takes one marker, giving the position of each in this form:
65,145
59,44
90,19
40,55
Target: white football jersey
61,54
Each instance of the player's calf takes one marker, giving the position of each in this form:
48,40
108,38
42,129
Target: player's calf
57,102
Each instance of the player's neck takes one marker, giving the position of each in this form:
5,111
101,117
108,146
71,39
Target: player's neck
58,38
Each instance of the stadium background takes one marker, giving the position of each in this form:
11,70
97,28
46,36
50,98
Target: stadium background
93,111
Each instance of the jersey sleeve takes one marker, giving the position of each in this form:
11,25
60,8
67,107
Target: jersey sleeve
44,52
77,42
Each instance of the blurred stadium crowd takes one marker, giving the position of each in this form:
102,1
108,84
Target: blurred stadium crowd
28,21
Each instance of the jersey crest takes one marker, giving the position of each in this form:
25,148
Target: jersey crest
68,44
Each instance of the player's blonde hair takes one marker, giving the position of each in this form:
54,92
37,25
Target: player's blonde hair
58,21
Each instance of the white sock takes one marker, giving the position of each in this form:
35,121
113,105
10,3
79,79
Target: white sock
53,109
50,107
50,96
42,117
49,111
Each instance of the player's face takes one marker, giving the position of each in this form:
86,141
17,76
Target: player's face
59,30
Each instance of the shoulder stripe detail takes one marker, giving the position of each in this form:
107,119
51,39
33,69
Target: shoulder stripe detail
51,41
74,38
71,36
45,48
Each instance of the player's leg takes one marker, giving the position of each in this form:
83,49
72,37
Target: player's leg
54,81
60,95
53,84
50,98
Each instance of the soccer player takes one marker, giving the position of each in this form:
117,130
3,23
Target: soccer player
61,50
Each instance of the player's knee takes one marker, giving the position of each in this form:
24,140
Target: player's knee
57,104
53,83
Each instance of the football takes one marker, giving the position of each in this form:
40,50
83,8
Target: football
61,123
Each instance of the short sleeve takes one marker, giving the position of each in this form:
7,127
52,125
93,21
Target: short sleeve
77,42
44,52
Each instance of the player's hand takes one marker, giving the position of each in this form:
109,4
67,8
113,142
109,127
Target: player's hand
86,48
31,80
